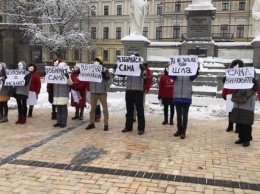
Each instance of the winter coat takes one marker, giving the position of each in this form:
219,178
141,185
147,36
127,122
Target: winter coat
225,92
79,86
148,80
182,91
243,113
100,88
166,85
35,84
135,83
22,92
3,90
61,93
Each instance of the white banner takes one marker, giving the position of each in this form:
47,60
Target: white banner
239,78
128,65
90,72
183,65
55,75
15,77
229,103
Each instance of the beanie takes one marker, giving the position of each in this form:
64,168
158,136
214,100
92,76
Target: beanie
100,59
238,62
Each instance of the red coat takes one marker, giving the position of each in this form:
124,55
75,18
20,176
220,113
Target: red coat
35,84
80,86
166,85
225,92
148,81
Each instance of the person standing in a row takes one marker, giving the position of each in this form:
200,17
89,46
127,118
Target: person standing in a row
182,98
165,94
34,89
3,94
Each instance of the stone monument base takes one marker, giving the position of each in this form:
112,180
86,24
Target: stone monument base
202,49
136,44
256,56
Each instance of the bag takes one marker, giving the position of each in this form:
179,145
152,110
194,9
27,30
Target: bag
12,92
240,96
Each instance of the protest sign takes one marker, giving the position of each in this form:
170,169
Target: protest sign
128,65
55,75
183,65
15,77
239,78
90,72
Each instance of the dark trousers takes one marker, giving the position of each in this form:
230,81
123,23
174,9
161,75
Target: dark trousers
244,132
134,98
182,110
166,104
62,114
22,107
3,108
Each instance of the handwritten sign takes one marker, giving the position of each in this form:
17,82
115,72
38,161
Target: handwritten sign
90,72
183,65
15,77
55,75
128,65
239,78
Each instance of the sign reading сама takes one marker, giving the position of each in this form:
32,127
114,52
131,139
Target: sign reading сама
128,65
55,75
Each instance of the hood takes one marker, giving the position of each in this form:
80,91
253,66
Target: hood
238,62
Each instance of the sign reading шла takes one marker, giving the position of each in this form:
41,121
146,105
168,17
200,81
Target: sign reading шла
239,78
128,65
183,65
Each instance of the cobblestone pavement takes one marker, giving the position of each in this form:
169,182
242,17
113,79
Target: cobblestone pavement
37,158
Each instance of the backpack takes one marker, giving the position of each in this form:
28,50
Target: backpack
240,96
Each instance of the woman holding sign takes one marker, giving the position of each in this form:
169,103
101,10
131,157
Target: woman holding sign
182,94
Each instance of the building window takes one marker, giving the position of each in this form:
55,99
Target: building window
76,54
225,5
178,6
118,53
176,31
145,32
106,10
105,55
119,10
224,30
159,9
63,53
118,32
158,32
241,5
51,55
106,33
148,7
92,56
93,10
93,32
240,31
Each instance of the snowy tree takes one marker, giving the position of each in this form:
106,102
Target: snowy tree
55,24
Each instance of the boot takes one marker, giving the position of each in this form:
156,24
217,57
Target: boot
178,132
23,119
4,119
164,122
230,127
183,133
81,113
97,118
105,127
76,114
19,119
171,122
30,112
53,116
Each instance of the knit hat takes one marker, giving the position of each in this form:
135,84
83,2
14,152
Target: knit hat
100,59
236,62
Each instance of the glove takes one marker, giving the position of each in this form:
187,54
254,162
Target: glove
73,88
66,75
44,73
115,67
141,67
224,79
159,98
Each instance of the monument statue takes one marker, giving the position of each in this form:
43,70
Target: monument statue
256,17
138,9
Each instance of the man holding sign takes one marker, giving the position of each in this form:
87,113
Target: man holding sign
183,70
132,67
242,80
